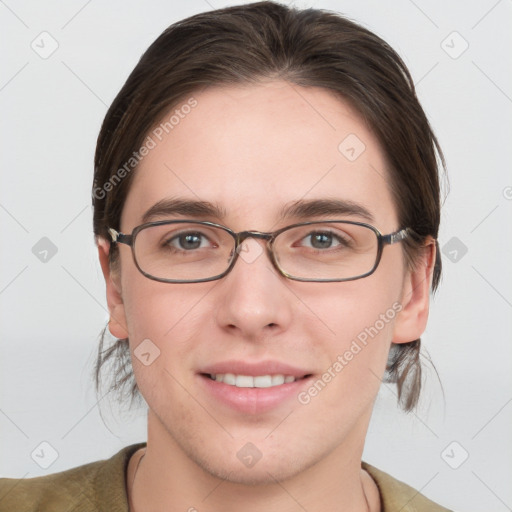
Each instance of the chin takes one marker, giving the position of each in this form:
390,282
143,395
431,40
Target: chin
262,473
244,463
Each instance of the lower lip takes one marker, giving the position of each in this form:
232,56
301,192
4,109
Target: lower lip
253,400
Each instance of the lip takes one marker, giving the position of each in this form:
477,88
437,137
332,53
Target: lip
253,401
268,367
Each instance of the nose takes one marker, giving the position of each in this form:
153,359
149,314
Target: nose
253,300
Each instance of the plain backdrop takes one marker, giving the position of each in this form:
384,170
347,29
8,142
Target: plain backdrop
456,448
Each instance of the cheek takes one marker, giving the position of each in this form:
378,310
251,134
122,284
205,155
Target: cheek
160,326
167,322
363,309
160,310
361,322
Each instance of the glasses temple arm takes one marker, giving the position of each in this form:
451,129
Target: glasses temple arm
120,238
397,236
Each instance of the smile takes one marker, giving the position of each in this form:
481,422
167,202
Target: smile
249,381
253,387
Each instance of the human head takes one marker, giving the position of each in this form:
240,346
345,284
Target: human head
310,48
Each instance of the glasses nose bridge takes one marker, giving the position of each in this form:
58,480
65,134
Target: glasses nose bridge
244,235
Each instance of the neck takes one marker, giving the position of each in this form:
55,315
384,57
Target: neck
163,477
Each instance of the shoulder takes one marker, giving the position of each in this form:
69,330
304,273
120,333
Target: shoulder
89,488
397,496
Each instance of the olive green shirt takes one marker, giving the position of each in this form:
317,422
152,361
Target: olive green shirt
101,486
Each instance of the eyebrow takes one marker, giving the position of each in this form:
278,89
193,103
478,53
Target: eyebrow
305,209
300,210
186,207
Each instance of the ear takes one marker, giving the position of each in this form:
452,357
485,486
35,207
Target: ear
411,322
117,323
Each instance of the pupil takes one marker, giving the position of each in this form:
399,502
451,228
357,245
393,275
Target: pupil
190,241
321,241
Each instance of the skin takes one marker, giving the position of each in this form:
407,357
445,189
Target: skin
253,149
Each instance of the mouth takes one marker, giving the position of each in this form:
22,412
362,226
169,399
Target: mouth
253,388
256,381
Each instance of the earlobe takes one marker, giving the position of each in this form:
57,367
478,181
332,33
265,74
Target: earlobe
117,323
412,320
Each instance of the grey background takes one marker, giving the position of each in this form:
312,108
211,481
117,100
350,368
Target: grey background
52,311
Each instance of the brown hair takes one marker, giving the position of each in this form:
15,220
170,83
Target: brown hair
310,48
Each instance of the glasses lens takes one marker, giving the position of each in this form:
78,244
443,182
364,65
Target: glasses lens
183,251
327,251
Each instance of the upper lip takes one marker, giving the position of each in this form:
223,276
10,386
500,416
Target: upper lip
254,369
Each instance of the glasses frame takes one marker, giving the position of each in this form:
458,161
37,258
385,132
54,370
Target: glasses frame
239,238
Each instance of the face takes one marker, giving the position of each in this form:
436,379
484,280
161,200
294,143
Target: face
252,151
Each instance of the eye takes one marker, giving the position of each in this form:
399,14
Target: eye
187,241
324,240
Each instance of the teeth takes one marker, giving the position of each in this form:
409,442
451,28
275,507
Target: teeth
244,381
229,378
262,381
277,380
248,381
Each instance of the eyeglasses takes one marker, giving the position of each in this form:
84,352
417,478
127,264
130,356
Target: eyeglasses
185,251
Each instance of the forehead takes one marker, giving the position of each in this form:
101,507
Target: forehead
255,149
